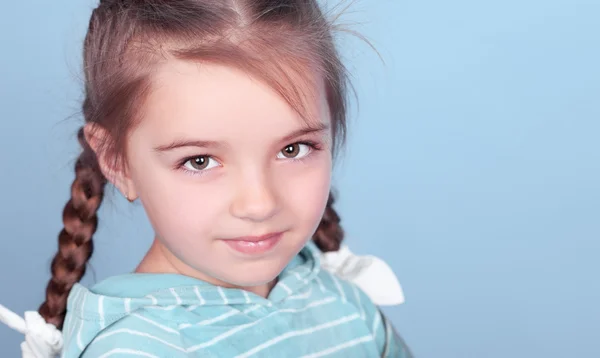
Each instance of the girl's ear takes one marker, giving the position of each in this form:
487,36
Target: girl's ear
114,170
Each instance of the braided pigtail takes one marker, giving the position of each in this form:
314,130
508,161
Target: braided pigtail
75,245
329,234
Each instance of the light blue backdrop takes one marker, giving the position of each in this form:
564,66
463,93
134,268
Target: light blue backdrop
473,167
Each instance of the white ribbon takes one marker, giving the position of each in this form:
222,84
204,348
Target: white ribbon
370,273
42,340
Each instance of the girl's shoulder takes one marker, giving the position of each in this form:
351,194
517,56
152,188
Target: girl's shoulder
357,304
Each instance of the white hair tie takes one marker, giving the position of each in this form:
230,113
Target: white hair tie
370,273
42,340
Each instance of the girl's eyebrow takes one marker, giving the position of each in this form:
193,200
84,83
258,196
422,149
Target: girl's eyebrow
182,143
321,127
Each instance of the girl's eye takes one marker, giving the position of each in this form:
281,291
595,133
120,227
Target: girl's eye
200,163
294,151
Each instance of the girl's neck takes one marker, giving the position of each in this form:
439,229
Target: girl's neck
159,259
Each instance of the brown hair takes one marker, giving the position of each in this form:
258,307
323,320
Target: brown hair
274,40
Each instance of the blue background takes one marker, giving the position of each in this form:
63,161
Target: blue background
473,167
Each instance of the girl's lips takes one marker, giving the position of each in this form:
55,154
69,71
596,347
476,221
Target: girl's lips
254,245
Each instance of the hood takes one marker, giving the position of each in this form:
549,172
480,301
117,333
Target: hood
91,311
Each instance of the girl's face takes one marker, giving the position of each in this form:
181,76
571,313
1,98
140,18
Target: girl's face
219,155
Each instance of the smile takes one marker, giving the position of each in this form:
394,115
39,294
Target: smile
254,245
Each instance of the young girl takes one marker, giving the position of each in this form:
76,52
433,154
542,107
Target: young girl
222,119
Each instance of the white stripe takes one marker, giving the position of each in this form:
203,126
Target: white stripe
387,339
101,311
300,332
339,287
247,325
362,309
339,347
246,296
221,337
191,308
136,333
177,298
286,288
321,286
215,319
154,300
300,277
165,308
302,296
306,270
128,305
79,342
165,328
219,318
251,309
72,321
129,352
376,321
310,305
197,291
222,293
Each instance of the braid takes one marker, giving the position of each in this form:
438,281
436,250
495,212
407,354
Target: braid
75,245
329,234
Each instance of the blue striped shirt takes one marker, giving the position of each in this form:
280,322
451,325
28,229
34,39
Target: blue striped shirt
309,313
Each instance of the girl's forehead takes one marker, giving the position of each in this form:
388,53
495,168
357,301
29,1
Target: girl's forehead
208,96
